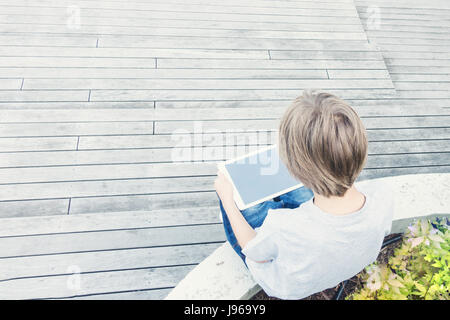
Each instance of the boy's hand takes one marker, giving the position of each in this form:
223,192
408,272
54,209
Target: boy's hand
224,188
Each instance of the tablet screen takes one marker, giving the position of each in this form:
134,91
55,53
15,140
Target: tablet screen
260,175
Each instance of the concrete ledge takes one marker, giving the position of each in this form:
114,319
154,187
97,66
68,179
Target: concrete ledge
223,275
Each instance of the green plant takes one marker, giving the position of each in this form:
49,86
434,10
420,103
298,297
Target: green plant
418,270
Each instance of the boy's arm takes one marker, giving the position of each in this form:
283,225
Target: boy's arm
242,230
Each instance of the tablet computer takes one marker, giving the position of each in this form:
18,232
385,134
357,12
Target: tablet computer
258,176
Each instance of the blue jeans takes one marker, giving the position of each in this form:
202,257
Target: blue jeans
255,215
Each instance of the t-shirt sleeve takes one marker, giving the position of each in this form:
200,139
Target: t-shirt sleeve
263,247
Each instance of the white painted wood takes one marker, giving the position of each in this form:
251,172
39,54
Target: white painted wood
237,43
110,240
149,294
185,32
169,111
326,24
78,62
270,64
43,95
116,9
93,283
42,40
133,53
188,84
33,208
15,227
133,73
142,202
105,188
74,128
96,261
211,95
38,144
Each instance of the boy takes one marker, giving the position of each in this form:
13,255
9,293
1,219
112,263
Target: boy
312,238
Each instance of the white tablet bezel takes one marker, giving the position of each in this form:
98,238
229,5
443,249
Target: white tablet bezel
237,197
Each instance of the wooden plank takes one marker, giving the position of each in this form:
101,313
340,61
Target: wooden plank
389,172
141,5
38,144
397,77
359,74
424,94
423,85
332,55
164,63
78,62
182,32
211,95
419,69
406,16
104,188
110,240
396,26
412,48
418,35
207,84
42,40
113,9
411,41
142,202
110,172
432,4
133,73
418,62
79,105
388,23
396,101
77,115
131,53
407,134
416,55
171,141
10,84
90,157
32,208
43,95
17,227
257,111
142,22
237,43
408,160
147,294
74,129
93,283
104,260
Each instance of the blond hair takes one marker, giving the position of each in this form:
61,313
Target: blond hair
323,143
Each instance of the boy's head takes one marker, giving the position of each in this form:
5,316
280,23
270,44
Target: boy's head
323,143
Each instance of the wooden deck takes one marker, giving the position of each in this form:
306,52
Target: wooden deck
106,174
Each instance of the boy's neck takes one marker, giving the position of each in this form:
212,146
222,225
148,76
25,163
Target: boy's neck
350,202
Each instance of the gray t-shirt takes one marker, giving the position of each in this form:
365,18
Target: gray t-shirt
310,250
